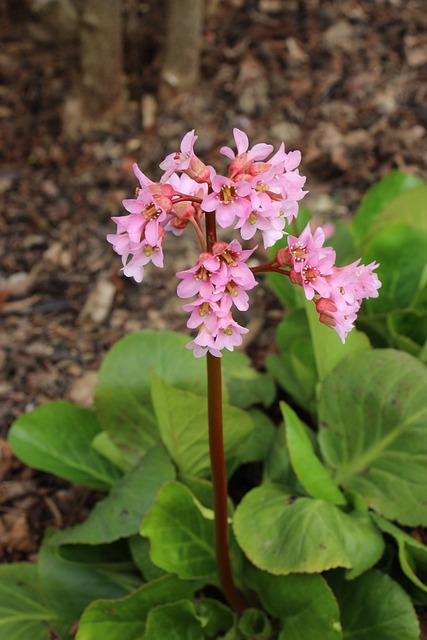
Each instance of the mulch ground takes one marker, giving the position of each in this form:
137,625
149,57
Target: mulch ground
345,81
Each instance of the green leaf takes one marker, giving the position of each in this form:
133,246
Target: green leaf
304,604
303,535
408,329
123,396
277,467
295,368
183,423
125,619
56,438
103,444
410,551
246,385
174,621
377,199
70,584
409,207
120,514
140,551
215,617
327,346
373,431
22,612
374,606
401,251
255,625
314,477
258,443
182,539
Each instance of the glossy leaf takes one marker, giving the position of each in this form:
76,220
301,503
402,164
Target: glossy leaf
374,606
22,612
120,514
69,584
174,621
312,474
377,199
304,604
283,535
401,251
183,423
181,538
373,431
56,438
125,619
123,396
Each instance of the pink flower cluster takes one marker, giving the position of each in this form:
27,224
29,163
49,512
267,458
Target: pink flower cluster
219,279
153,211
261,193
337,291
257,194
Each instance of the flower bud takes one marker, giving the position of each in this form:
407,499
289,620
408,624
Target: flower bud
284,258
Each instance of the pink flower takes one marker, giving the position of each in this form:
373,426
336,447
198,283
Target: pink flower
185,209
186,160
228,199
219,279
244,159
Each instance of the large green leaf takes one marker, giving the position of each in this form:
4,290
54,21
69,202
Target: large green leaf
70,582
377,199
174,621
373,431
123,396
181,537
409,207
125,619
120,514
374,607
401,250
303,535
310,471
56,438
183,423
304,604
22,612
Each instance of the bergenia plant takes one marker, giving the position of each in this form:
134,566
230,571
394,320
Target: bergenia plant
260,193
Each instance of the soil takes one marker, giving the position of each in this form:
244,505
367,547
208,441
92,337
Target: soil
345,81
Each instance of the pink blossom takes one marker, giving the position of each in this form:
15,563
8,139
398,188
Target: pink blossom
228,199
186,160
244,159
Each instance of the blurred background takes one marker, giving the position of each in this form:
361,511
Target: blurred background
90,86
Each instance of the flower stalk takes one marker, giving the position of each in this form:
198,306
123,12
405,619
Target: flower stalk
217,458
219,482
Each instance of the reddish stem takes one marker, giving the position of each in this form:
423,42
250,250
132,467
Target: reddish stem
219,481
219,476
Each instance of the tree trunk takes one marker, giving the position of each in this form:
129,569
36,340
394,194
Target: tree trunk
184,30
98,97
